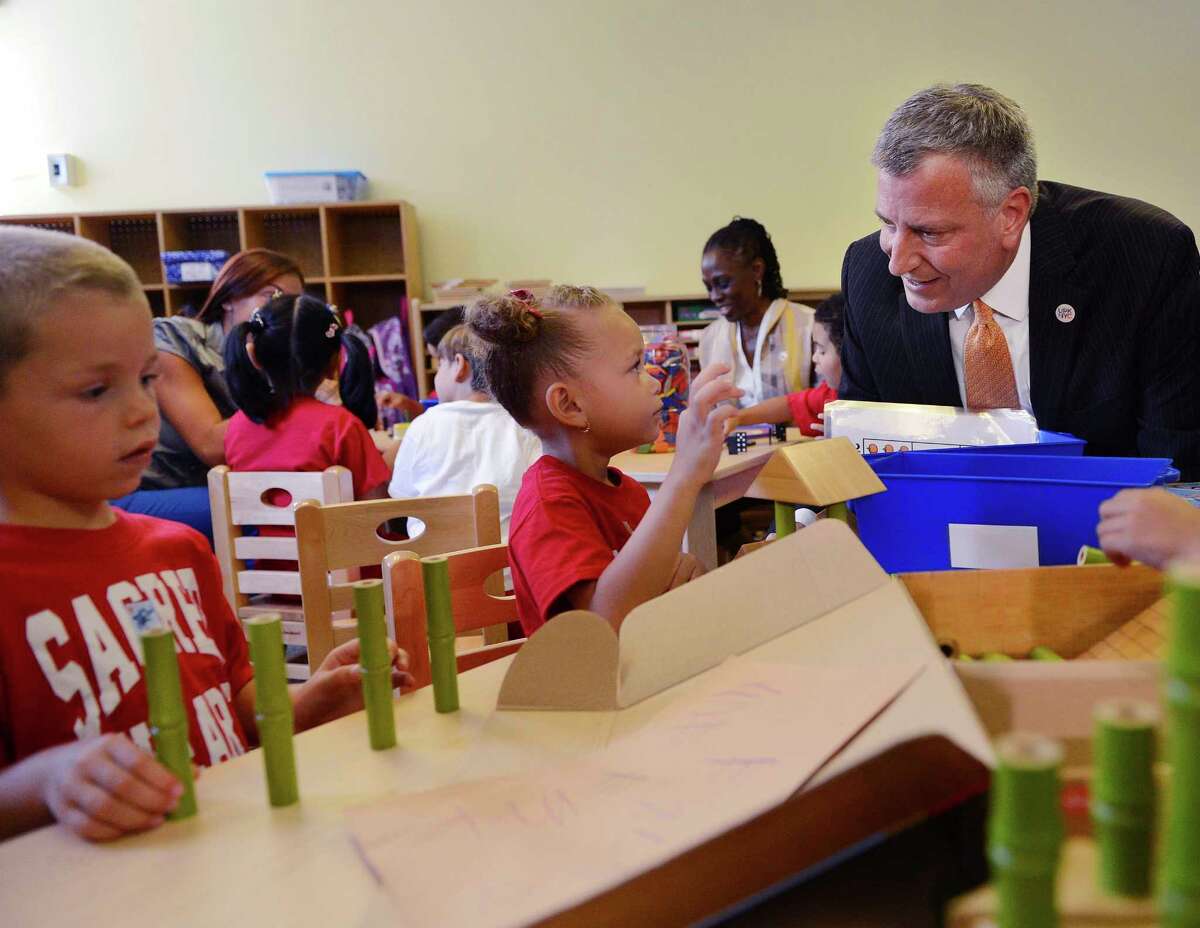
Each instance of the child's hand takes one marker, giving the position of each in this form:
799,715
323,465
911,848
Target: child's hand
1152,526
386,446
335,689
701,433
386,399
106,787
687,568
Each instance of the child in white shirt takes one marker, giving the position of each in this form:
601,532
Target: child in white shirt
466,439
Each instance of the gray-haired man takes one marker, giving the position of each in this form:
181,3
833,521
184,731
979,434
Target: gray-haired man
1090,312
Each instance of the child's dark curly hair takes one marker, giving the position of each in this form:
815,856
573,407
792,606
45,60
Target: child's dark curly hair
831,314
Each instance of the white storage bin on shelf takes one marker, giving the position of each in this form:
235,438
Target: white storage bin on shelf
289,187
195,266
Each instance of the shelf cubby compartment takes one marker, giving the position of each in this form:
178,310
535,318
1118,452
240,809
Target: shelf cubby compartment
181,297
369,302
49,223
646,312
157,298
201,230
364,240
293,231
132,236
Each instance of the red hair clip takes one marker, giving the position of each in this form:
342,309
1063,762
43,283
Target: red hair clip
527,297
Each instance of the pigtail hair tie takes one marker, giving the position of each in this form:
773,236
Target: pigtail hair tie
527,298
335,322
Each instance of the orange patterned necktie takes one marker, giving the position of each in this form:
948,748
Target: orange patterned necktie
987,365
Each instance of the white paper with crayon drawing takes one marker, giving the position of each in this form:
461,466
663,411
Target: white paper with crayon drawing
510,850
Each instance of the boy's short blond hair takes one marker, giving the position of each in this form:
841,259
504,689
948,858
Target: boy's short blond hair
459,340
36,267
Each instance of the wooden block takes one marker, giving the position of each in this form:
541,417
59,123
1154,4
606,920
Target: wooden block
816,474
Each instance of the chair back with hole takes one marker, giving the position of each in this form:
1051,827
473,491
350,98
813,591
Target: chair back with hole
352,535
253,521
474,577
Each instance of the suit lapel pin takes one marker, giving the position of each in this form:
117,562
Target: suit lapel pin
1064,313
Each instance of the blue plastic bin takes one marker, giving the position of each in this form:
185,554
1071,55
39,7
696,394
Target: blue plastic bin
906,527
195,266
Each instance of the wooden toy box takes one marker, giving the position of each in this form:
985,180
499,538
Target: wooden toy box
1108,623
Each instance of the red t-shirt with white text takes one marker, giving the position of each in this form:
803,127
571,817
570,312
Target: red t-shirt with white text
70,656
566,529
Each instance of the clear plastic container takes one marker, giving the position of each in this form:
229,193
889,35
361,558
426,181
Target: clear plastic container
667,362
286,187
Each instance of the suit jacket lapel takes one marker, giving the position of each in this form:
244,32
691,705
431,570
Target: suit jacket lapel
927,341
1053,344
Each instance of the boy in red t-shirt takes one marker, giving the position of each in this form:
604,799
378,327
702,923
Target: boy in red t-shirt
78,422
806,408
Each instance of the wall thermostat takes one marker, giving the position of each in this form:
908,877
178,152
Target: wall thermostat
64,170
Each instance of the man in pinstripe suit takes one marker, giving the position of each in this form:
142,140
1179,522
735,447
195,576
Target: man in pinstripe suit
1098,296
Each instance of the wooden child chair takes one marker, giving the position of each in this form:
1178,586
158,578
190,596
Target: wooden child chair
477,600
246,499
345,536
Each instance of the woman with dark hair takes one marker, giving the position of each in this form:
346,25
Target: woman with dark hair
764,338
192,393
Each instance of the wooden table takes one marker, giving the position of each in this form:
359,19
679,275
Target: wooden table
732,476
240,862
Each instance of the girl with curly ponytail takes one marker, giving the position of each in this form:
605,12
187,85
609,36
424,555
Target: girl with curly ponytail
584,535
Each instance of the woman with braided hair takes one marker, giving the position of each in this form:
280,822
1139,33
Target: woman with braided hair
763,338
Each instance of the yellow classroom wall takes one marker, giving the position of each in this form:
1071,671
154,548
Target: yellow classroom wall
592,142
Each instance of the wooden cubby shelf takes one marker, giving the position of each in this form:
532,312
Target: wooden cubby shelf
366,278
364,257
646,310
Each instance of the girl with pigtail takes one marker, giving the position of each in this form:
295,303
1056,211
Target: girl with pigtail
274,363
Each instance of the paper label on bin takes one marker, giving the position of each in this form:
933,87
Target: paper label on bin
993,546
883,428
192,271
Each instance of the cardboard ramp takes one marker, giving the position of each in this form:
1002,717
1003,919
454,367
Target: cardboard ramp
576,661
845,723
